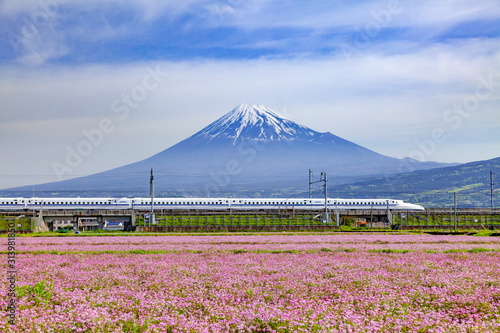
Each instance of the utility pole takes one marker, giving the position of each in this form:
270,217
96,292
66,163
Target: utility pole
152,192
492,187
323,179
455,210
310,183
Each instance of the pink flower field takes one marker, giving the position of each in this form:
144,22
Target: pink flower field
268,283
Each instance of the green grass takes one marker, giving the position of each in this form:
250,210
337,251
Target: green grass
474,250
478,221
23,223
236,220
40,292
391,251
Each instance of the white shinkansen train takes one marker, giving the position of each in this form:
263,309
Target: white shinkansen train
203,204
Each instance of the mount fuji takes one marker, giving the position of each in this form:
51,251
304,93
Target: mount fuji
251,148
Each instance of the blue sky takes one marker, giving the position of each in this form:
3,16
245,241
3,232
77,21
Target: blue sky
401,77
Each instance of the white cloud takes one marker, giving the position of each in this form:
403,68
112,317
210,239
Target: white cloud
15,7
335,14
47,30
272,13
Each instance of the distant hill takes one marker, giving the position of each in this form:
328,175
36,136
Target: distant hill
430,188
251,150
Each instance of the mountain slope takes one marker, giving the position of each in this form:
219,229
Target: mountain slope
431,188
261,141
251,147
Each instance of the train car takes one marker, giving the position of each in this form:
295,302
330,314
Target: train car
223,204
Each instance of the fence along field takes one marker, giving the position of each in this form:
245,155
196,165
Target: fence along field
272,283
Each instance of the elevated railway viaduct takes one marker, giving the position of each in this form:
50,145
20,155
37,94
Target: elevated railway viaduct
284,219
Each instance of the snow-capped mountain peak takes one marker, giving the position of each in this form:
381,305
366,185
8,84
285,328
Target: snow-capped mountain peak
255,122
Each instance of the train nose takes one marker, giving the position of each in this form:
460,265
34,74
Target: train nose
412,207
